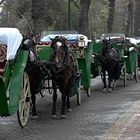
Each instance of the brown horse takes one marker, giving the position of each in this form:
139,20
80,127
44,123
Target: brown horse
62,69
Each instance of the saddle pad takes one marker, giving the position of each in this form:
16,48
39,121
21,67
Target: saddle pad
111,54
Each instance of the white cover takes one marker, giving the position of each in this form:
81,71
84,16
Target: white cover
134,41
12,38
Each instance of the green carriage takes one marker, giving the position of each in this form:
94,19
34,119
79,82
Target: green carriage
81,48
128,54
14,82
132,60
117,41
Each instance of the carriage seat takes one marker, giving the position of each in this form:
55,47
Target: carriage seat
3,52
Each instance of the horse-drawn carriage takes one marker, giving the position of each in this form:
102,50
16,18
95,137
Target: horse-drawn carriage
14,82
23,71
127,55
80,47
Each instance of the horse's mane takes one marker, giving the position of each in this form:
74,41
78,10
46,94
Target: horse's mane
108,53
59,39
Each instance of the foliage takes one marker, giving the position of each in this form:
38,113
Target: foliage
13,13
57,15
97,17
18,13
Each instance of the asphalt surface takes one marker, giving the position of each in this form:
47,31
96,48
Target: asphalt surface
103,116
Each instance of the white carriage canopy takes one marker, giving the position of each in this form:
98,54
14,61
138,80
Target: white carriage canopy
134,41
12,38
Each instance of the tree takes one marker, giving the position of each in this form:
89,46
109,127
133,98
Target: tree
110,18
2,1
17,13
97,18
83,24
136,18
38,16
129,18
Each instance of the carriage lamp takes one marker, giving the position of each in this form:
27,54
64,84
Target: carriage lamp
81,42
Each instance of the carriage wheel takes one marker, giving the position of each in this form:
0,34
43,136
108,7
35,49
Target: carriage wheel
79,92
101,76
24,103
136,76
88,92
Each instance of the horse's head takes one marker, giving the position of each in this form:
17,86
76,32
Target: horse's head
60,49
29,42
109,53
106,44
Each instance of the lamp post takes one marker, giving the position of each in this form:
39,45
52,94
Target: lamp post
69,14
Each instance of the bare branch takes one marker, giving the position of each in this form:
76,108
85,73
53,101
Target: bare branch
76,3
2,1
26,22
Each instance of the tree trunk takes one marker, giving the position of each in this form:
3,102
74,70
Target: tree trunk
83,17
136,18
110,18
39,17
129,19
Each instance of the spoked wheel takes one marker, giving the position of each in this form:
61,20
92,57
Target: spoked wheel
101,76
79,92
24,103
136,75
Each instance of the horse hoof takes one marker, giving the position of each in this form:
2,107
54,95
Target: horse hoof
104,90
53,116
109,90
69,110
34,115
63,116
114,85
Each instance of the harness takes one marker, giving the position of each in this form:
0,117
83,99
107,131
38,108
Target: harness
66,62
108,53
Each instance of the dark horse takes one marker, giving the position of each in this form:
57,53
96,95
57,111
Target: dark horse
62,69
109,59
33,69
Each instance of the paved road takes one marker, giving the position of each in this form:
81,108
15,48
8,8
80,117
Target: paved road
100,117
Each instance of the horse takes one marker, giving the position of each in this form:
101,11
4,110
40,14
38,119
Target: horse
109,59
33,69
62,71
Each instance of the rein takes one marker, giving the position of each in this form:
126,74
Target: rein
65,63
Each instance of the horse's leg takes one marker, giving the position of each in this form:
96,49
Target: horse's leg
68,104
33,97
109,81
114,83
63,116
54,101
104,80
109,85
